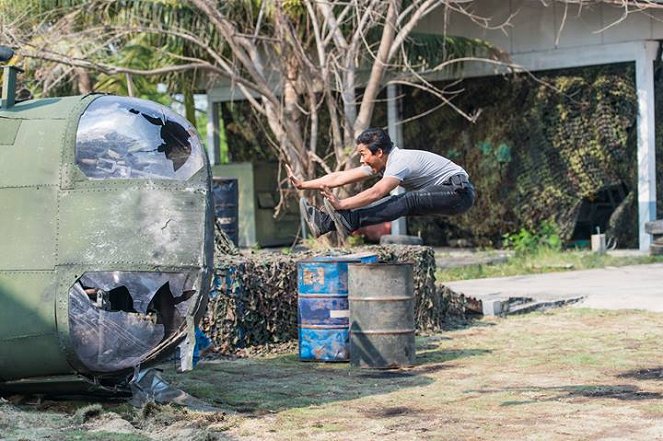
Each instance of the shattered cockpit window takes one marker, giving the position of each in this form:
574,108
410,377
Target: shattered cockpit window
117,319
128,138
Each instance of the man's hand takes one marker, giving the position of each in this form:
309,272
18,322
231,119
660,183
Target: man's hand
298,183
379,190
331,197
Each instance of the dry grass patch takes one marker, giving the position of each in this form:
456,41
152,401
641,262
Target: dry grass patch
568,374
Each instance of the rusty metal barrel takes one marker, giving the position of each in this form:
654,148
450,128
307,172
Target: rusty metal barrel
381,297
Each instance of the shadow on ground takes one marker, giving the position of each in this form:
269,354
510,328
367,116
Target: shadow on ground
264,385
624,392
644,374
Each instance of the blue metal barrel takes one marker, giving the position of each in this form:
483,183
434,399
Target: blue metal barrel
225,193
323,312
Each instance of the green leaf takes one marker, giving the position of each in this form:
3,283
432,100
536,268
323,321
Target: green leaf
503,153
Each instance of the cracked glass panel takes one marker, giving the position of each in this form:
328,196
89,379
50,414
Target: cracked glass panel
117,319
129,138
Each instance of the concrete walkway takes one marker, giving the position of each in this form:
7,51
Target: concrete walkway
627,287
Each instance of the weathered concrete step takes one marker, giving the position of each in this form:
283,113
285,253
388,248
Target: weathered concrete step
522,305
656,248
543,305
654,227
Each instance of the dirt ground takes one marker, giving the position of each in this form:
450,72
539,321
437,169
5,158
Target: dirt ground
568,374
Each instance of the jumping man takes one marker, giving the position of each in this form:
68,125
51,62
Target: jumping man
433,184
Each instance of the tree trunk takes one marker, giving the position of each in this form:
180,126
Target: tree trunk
379,66
83,81
189,104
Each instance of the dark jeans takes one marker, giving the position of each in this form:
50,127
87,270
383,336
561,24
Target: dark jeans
455,196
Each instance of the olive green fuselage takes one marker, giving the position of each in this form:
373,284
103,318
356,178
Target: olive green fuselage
57,224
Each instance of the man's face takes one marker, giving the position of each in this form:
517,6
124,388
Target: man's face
377,161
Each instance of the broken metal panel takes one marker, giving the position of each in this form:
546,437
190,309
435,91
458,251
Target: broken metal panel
184,353
142,286
117,319
148,386
107,341
155,226
34,158
28,228
126,138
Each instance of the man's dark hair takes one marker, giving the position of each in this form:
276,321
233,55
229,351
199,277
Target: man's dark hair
375,139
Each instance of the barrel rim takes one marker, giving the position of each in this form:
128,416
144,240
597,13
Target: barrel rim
328,261
341,327
343,258
317,295
382,264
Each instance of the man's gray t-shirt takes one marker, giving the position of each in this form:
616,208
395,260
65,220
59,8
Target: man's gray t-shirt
417,169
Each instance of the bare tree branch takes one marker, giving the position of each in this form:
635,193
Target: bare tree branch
111,70
377,71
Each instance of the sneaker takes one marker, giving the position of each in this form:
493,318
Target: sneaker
311,216
342,229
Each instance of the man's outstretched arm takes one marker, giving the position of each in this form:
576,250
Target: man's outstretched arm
368,196
335,179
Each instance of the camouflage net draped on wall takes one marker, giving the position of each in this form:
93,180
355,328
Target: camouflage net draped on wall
538,150
254,297
585,135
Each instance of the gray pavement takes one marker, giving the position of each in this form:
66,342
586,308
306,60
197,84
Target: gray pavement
627,287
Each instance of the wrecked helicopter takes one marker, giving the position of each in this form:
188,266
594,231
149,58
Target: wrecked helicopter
106,251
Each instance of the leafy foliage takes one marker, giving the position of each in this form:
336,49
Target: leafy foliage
529,242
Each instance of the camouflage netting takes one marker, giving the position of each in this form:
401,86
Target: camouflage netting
223,246
254,296
539,150
583,147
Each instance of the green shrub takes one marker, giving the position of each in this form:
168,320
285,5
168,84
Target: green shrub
526,242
